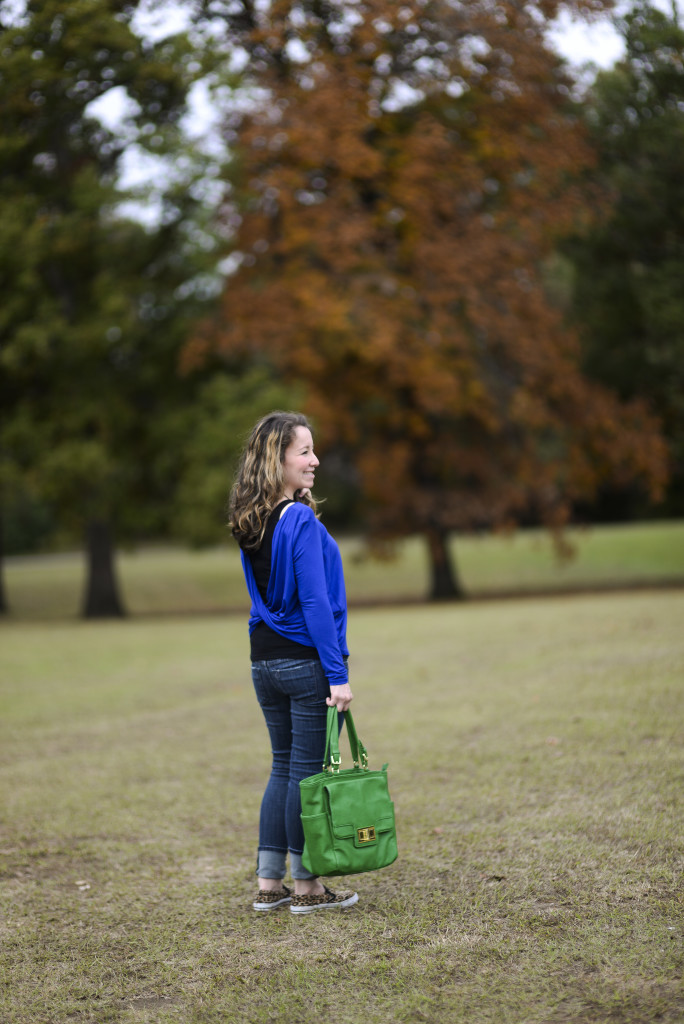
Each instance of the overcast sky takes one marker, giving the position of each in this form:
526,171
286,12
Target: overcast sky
577,41
587,47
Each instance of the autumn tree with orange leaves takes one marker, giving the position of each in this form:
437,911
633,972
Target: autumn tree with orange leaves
405,170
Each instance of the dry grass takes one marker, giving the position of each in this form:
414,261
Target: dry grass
535,753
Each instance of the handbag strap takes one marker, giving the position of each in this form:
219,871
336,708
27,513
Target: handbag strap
332,759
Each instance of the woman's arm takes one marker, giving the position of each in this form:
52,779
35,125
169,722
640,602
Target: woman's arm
312,588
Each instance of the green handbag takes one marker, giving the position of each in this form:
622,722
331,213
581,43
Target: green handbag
347,814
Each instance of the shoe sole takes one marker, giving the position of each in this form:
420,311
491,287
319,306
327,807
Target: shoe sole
264,907
326,906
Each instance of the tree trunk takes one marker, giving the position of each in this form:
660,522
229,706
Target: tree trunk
445,584
102,598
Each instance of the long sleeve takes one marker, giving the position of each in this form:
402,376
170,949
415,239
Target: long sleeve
312,586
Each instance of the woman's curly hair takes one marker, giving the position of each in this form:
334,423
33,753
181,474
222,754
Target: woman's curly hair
258,485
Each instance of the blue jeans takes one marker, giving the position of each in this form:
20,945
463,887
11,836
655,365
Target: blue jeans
292,695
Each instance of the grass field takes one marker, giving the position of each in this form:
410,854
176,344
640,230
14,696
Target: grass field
535,753
165,580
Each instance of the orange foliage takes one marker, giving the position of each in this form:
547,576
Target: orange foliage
392,257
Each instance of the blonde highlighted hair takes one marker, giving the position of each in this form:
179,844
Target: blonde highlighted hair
258,485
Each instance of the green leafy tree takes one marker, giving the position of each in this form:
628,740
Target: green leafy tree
629,270
95,305
198,444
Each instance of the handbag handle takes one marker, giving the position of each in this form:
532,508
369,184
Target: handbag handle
331,758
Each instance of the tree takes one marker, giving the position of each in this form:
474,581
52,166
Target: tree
199,444
628,295
406,170
95,305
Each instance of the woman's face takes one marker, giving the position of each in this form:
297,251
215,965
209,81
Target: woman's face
299,463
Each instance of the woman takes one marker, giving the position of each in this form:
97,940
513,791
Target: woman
297,627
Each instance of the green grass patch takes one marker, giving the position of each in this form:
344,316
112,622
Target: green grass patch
158,581
535,753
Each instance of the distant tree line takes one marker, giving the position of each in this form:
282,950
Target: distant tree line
470,278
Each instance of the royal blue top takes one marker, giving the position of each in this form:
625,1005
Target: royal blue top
306,599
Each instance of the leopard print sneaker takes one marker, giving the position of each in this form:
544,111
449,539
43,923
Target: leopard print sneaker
324,901
268,900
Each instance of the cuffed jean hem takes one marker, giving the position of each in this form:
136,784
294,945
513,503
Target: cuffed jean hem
271,864
297,869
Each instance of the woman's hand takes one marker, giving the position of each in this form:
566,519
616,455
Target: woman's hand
340,697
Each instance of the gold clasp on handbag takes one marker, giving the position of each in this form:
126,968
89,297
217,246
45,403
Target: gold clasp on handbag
366,835
334,765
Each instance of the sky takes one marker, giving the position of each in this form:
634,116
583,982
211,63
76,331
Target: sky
586,46
580,43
